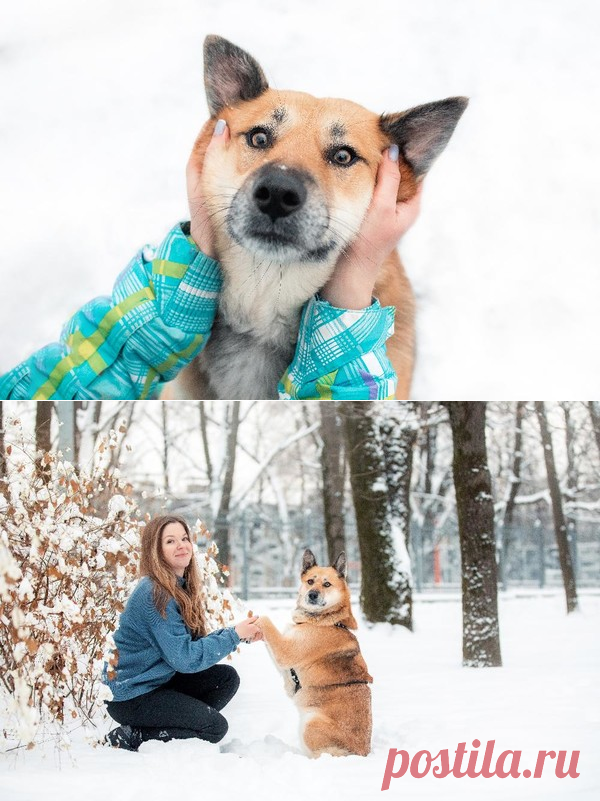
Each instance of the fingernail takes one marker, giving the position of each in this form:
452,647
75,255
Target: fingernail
394,152
220,127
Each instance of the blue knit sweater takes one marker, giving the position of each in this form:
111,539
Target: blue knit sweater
151,649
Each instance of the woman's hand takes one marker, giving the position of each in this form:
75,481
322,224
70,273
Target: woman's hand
200,227
248,630
386,221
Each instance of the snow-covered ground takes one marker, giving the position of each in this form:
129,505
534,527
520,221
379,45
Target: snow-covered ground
101,103
546,696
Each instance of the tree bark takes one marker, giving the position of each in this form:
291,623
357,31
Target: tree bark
515,483
165,447
572,481
222,521
332,471
3,467
398,436
475,511
78,409
205,446
594,410
560,525
43,439
382,584
430,499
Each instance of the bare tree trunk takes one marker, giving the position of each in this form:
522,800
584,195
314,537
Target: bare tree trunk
560,526
222,521
78,408
475,511
594,410
204,433
399,430
332,470
3,467
572,481
43,439
165,448
515,483
429,503
382,588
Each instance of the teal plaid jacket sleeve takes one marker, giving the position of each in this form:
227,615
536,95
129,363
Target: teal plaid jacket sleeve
157,319
341,354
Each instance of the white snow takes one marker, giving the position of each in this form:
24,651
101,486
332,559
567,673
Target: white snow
546,697
101,103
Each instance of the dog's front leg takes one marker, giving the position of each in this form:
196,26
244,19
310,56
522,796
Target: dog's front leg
284,650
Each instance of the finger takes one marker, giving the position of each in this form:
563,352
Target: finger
388,177
252,619
221,135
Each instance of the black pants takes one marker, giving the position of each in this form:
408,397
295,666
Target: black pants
186,706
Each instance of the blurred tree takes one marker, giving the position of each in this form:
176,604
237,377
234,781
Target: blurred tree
332,471
221,534
43,438
560,525
475,512
594,410
514,483
380,479
3,471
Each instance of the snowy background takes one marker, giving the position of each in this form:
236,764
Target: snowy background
100,104
545,697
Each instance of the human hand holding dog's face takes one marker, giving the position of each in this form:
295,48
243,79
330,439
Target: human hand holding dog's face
351,285
200,223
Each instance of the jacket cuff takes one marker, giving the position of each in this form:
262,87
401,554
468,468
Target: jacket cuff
186,282
341,354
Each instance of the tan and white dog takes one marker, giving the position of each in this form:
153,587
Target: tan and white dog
323,668
286,196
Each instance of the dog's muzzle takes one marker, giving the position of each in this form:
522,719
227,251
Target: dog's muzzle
279,193
281,213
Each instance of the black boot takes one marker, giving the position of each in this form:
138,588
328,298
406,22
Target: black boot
125,737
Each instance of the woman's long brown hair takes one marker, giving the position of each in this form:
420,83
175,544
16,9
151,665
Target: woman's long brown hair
152,564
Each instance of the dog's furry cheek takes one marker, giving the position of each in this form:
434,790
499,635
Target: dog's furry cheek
346,217
334,598
219,180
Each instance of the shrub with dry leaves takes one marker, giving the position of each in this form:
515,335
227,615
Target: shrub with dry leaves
69,548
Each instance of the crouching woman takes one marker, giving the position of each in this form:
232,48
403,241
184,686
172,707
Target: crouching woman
166,683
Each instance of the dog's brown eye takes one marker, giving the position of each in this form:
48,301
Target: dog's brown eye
311,582
342,156
259,138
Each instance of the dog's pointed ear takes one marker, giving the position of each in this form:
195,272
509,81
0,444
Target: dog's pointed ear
308,561
423,132
230,74
340,565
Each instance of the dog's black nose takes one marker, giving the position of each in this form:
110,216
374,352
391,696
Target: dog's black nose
279,193
313,596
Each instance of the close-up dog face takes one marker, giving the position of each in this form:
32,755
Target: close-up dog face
322,588
296,178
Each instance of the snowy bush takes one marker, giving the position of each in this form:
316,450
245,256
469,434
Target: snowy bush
69,548
67,559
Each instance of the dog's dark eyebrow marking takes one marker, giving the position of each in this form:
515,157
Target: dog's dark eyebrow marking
279,114
338,130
